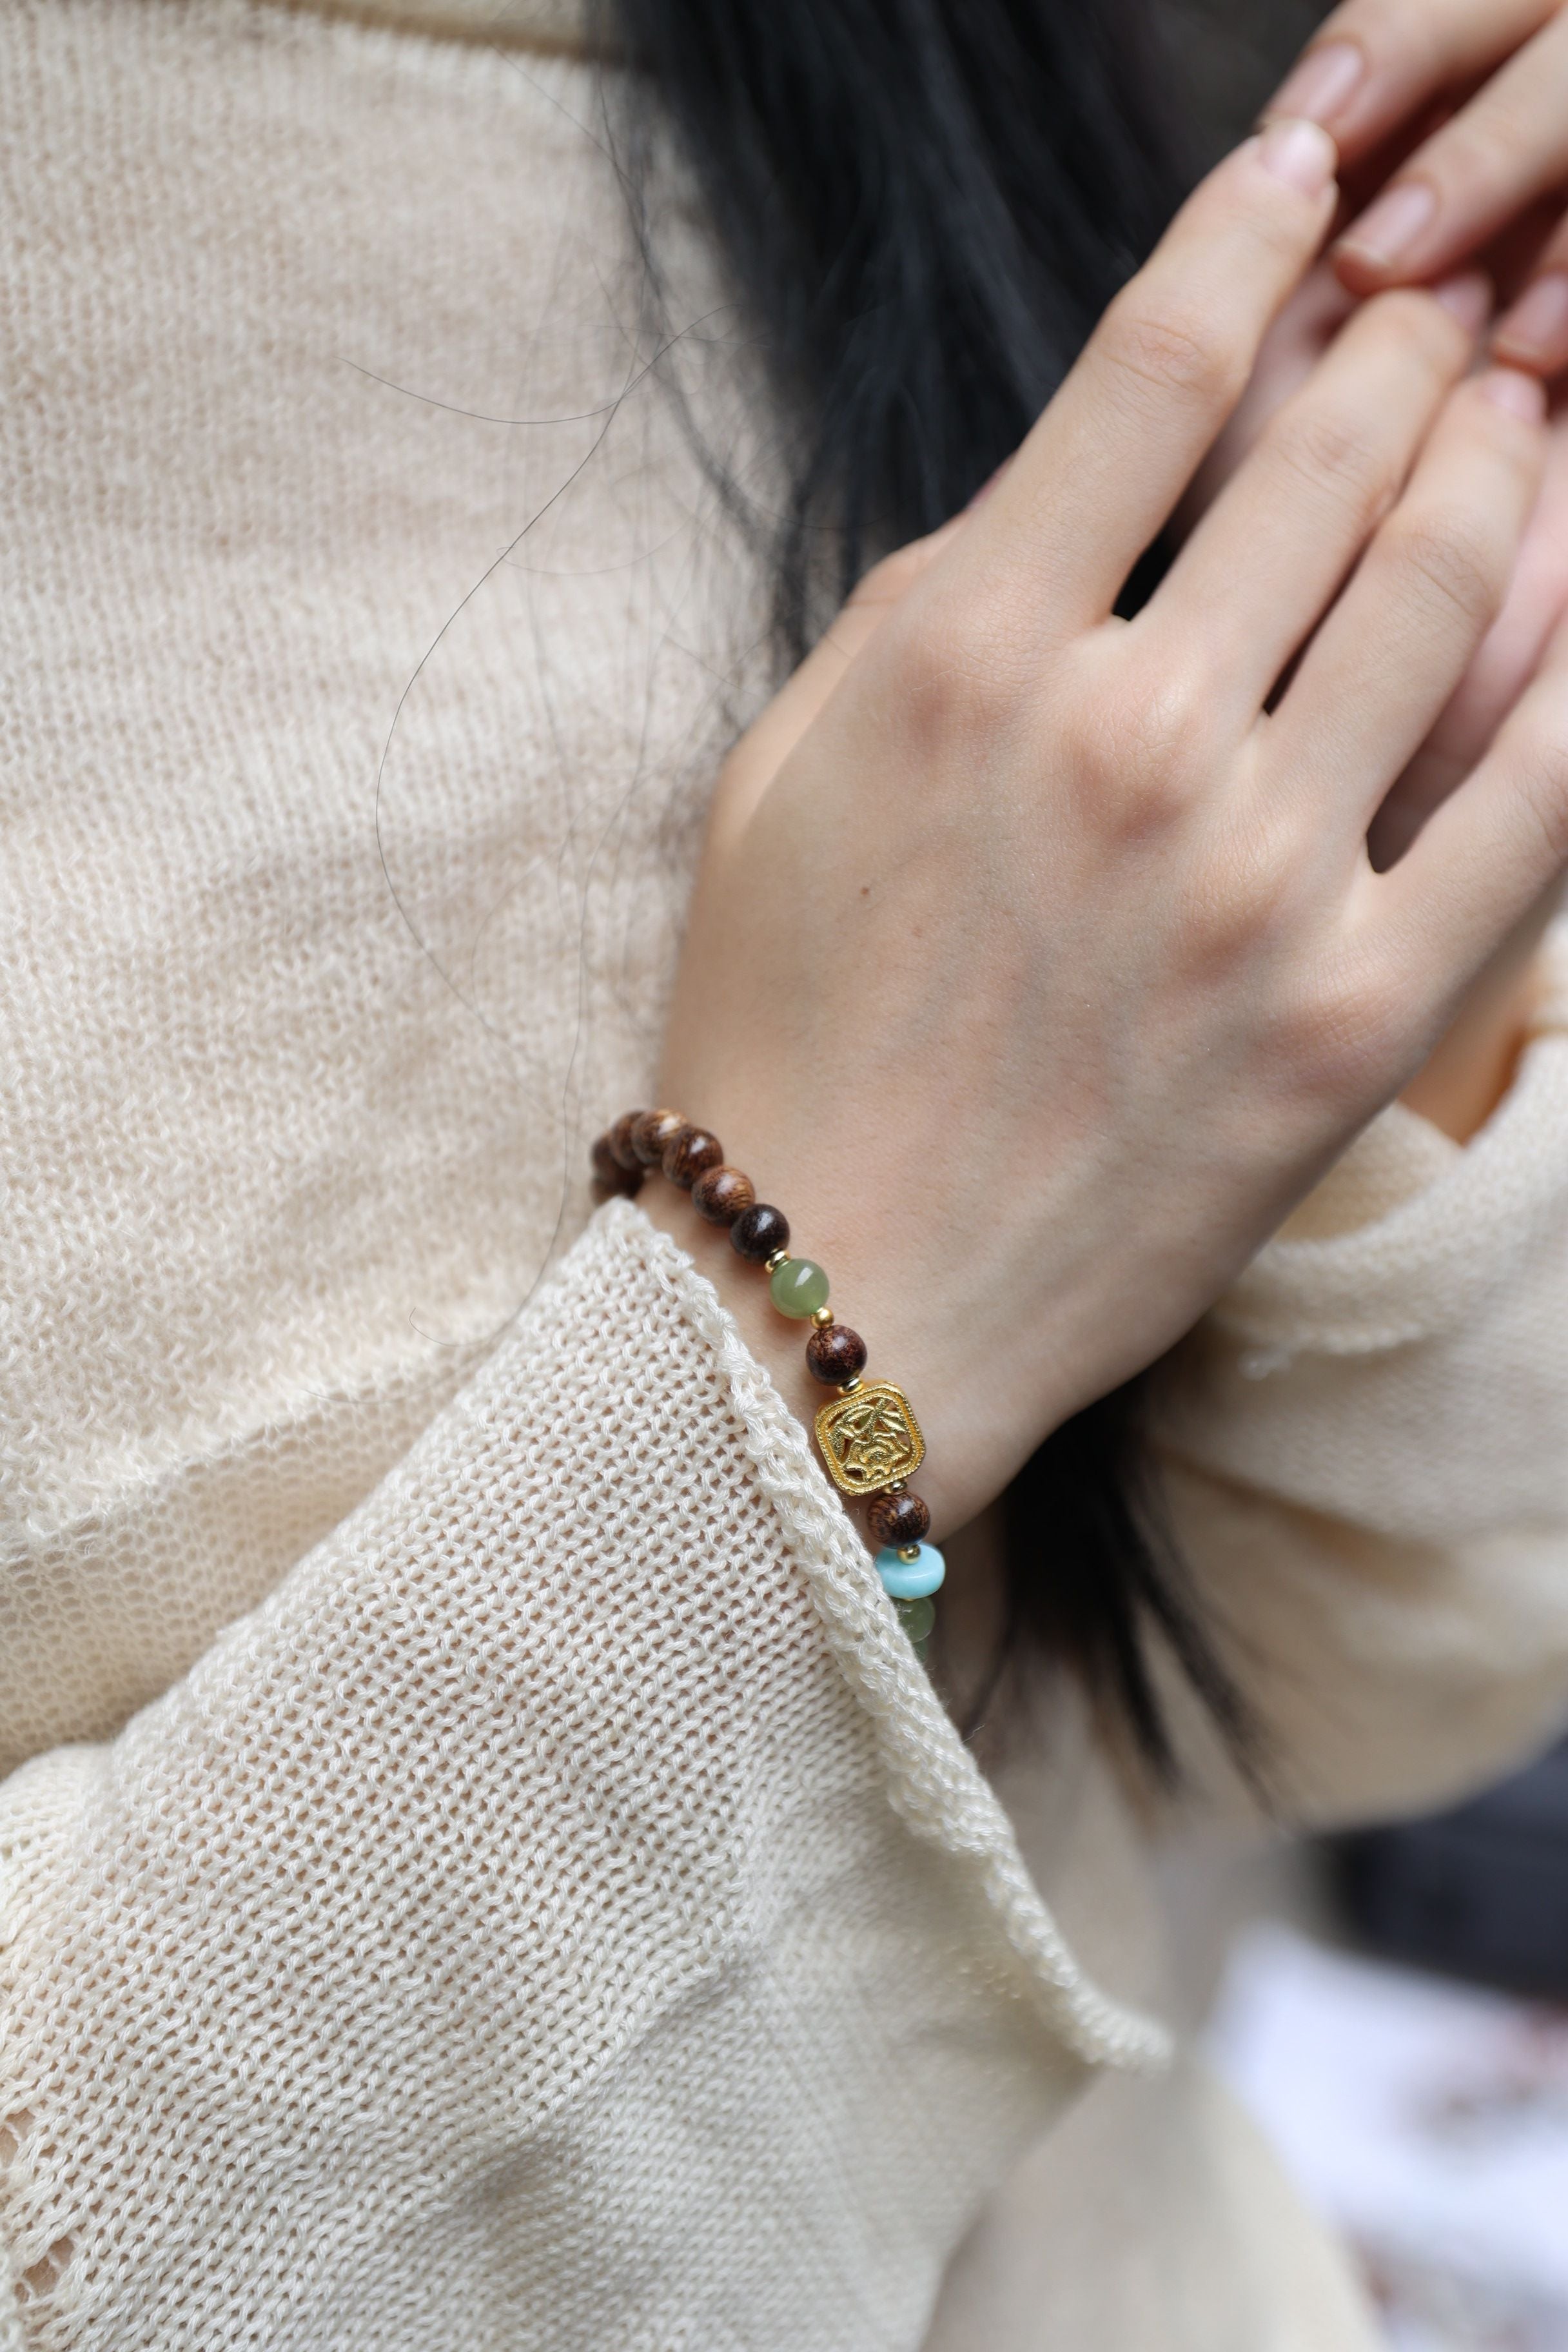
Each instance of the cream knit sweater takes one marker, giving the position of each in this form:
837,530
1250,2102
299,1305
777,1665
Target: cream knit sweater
481,1867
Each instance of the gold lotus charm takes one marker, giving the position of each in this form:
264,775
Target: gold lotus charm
868,1438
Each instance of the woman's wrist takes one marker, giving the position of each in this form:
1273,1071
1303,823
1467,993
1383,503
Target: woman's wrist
870,1440
943,1388
772,1339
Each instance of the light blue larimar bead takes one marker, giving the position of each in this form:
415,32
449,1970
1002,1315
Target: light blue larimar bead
912,1580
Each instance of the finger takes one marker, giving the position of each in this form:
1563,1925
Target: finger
1373,62
1509,657
1101,472
1496,155
1400,637
1291,349
1482,862
1254,579
1533,332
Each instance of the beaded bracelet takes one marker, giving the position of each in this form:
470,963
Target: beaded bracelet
869,1438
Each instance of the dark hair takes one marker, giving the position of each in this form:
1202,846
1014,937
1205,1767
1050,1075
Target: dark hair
925,206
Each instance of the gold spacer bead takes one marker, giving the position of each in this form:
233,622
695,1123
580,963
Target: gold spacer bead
899,1486
772,1264
848,1388
909,1554
823,1318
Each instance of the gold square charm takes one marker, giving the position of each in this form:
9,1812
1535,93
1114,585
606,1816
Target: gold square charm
868,1438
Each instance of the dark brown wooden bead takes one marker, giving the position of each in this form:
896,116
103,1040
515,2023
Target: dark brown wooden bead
898,1519
835,1355
721,1195
759,1231
620,1139
654,1131
690,1153
609,1177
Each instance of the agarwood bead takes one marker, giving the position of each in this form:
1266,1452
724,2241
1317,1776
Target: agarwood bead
721,1195
835,1355
609,1176
759,1231
690,1153
620,1141
895,1520
654,1131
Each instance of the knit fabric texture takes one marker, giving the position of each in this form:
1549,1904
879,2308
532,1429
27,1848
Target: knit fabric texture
577,1817
478,1865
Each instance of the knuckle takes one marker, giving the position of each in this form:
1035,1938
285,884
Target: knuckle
1424,337
1449,556
1344,1030
1169,344
1241,893
1331,451
1148,747
953,673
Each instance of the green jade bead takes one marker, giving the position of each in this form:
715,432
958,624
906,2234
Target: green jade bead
798,1287
917,1618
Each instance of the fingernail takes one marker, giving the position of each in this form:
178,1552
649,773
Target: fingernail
1391,225
1320,84
1300,154
1539,320
1467,298
1521,395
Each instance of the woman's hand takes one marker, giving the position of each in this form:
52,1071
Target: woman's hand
1471,1067
1498,165
1036,965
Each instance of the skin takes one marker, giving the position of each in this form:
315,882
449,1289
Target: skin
1490,79
1036,963
1470,1071
1497,161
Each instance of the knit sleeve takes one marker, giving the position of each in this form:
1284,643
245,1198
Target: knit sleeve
1367,1456
560,1903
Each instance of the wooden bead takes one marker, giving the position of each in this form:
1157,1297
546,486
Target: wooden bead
897,1520
654,1130
835,1355
758,1231
609,1177
620,1141
690,1153
721,1195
